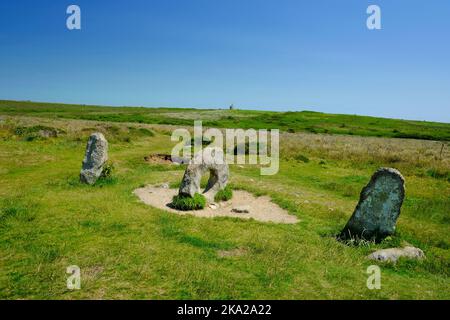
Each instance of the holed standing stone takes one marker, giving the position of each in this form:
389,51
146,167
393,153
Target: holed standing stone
95,158
212,160
378,208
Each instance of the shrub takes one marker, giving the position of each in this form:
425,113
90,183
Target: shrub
37,132
146,132
224,194
438,174
140,132
108,170
311,129
300,157
186,203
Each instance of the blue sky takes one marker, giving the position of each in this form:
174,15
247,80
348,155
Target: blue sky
258,54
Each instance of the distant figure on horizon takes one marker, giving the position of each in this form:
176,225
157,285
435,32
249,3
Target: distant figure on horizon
232,107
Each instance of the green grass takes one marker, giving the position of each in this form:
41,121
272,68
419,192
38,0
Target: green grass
224,194
304,121
108,171
186,203
126,249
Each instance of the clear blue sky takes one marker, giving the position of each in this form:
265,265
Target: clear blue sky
258,54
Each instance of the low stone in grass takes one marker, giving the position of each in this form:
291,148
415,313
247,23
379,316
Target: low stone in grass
187,203
393,254
378,208
95,158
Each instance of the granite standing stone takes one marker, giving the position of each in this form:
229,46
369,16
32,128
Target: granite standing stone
209,159
94,159
378,208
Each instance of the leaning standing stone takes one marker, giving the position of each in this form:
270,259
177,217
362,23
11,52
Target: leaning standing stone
94,159
378,208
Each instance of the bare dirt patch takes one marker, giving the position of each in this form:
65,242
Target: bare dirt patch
236,252
260,208
158,158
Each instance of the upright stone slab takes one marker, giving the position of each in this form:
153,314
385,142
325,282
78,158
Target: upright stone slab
94,159
209,159
378,208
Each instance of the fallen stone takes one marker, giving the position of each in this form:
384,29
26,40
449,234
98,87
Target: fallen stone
95,158
241,209
393,254
378,208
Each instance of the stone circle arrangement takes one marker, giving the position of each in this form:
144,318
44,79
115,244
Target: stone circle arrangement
373,219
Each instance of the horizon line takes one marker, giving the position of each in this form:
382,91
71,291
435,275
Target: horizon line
264,109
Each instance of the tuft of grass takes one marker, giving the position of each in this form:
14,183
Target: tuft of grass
15,209
439,174
302,158
108,170
101,182
146,132
224,194
186,203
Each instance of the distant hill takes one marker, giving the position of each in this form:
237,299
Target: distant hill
304,121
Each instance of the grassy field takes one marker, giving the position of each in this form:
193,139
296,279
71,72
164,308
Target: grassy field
305,121
125,249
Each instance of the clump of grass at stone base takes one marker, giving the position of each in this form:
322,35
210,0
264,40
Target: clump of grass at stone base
186,203
107,177
224,194
108,170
